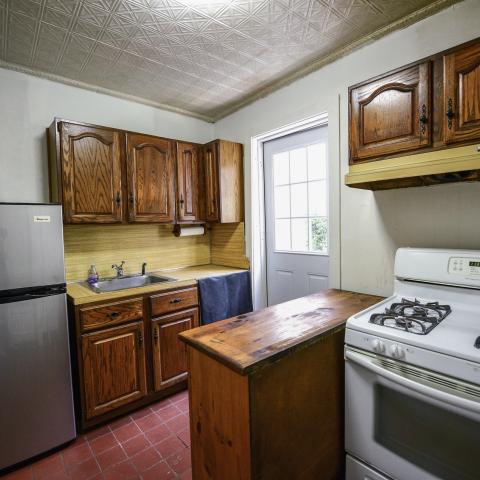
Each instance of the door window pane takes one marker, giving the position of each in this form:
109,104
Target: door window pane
318,234
282,234
299,200
281,168
300,234
282,201
298,165
317,161
317,199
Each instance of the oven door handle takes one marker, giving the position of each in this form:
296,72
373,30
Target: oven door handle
420,388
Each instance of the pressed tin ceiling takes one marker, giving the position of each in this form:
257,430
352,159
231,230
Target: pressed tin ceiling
205,58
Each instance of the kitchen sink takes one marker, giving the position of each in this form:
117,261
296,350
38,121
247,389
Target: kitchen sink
127,281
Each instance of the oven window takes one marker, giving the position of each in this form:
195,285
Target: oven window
445,444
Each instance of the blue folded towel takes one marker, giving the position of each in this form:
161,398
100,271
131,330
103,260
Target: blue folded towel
225,296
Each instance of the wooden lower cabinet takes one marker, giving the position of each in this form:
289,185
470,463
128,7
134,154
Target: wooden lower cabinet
169,354
126,359
113,368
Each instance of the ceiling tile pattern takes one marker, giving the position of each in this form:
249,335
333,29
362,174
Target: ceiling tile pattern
194,55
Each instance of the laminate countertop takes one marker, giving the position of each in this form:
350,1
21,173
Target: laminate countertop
80,294
248,342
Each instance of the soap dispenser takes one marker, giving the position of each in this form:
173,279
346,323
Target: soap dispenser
92,275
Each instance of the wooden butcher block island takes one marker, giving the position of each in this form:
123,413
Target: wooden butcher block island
267,391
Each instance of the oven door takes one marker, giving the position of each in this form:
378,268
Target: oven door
411,423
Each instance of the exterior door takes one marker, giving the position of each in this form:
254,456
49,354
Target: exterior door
92,174
296,215
391,114
113,368
210,155
462,95
150,173
187,182
169,354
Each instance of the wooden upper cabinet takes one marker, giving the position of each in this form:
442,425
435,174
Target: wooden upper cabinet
113,368
169,353
91,174
223,167
462,94
150,179
187,183
391,114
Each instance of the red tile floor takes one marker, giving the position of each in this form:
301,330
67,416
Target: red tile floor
150,444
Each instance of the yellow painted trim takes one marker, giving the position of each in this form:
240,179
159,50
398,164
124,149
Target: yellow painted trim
430,163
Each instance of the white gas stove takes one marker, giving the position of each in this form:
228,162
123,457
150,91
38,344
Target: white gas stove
414,359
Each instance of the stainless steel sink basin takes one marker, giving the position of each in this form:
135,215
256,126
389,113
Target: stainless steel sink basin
128,281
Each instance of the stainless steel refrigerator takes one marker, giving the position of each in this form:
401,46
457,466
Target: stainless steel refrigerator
36,405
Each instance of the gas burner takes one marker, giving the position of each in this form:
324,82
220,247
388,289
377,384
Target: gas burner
412,316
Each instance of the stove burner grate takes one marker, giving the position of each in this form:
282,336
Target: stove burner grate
412,316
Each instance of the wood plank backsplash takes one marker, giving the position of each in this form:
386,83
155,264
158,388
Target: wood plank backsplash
104,245
228,245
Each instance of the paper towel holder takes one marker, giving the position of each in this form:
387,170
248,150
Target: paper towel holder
188,230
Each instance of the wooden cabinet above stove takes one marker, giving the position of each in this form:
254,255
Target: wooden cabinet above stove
417,125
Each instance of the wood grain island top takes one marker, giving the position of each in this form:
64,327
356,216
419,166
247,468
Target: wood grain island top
248,342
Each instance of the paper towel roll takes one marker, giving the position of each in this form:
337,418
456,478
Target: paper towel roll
187,231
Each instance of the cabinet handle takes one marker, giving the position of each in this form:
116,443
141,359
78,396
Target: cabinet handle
424,118
131,199
176,300
113,314
140,340
117,198
181,200
155,335
450,113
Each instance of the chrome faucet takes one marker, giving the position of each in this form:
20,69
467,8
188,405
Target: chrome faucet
119,268
144,268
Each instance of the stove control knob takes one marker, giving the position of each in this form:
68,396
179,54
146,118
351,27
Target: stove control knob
378,346
396,351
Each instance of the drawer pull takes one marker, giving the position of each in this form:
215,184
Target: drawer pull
176,300
140,340
113,314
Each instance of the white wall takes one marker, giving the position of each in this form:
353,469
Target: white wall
28,105
373,225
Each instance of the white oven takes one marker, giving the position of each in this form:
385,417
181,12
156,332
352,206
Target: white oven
408,423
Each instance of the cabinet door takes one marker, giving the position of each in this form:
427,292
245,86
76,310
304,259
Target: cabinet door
92,174
187,182
150,179
391,114
113,368
212,207
169,354
462,95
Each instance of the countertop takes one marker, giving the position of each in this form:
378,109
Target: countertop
80,294
248,342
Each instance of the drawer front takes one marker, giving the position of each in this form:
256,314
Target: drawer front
173,301
111,314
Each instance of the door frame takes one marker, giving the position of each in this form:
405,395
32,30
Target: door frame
258,260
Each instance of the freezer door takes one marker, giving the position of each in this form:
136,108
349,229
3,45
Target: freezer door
31,245
36,405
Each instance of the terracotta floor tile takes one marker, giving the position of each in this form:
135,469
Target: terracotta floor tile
141,413
150,421
180,462
169,446
146,459
126,432
177,424
184,436
98,432
103,443
121,471
135,445
161,404
186,475
84,470
167,412
159,433
47,467
178,397
182,405
25,473
120,422
161,471
76,454
111,457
